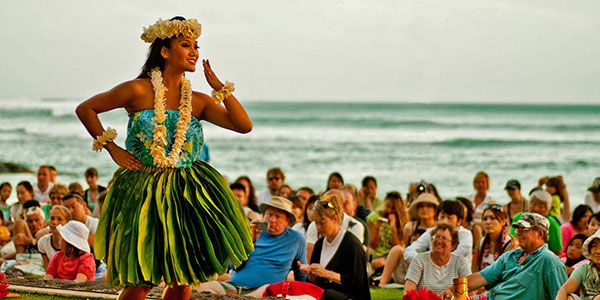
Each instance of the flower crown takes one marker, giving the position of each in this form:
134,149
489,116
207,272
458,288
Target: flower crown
163,29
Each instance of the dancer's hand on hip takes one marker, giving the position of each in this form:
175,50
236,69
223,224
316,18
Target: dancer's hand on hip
123,158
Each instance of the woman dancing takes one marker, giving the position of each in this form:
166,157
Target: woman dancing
167,215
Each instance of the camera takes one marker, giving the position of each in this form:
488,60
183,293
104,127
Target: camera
262,226
422,186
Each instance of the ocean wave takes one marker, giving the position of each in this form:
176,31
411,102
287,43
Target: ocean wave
468,143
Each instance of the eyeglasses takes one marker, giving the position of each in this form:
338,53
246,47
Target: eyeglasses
441,237
326,204
492,206
522,230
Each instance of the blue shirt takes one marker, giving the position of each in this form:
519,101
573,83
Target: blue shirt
540,276
272,259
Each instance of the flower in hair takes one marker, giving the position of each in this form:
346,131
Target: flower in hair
164,29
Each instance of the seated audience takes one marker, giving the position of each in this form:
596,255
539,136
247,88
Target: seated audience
250,192
5,235
348,223
275,179
5,191
481,184
307,218
451,213
49,244
577,224
24,194
24,231
75,187
285,191
240,193
423,213
91,194
338,262
471,226
76,205
586,278
276,252
303,194
56,193
540,203
367,196
557,188
496,240
435,269
593,224
593,197
350,208
74,260
574,257
385,228
529,272
335,181
43,185
518,203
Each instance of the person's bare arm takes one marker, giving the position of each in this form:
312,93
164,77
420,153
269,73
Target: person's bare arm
570,286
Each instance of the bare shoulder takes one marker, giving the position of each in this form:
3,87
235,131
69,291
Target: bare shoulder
199,102
138,87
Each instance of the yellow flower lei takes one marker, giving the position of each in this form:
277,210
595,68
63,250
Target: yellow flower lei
159,136
107,136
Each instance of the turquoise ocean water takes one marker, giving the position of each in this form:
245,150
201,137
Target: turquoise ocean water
397,143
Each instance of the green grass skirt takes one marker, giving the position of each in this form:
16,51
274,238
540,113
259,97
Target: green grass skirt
181,225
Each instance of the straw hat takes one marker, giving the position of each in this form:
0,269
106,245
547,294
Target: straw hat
423,198
280,203
76,234
586,245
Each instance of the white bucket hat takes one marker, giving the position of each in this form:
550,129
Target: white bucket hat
585,249
76,234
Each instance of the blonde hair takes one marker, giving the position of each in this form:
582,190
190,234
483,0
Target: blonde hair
64,210
330,205
484,175
58,189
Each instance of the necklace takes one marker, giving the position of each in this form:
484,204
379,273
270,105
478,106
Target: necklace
159,135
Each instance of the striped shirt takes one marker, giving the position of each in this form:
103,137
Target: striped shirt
426,274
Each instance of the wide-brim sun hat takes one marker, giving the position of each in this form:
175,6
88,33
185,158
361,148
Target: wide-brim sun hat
279,203
586,245
423,198
76,234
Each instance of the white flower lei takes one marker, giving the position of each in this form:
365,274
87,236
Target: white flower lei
169,28
159,136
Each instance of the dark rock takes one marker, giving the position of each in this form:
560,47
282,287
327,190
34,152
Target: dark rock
8,167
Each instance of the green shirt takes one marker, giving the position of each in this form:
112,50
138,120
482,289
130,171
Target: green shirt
587,289
554,235
555,209
540,276
384,245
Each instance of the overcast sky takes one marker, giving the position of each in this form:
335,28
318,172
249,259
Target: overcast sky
384,50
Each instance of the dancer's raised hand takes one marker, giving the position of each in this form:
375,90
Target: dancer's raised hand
211,78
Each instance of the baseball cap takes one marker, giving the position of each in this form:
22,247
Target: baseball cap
512,184
532,220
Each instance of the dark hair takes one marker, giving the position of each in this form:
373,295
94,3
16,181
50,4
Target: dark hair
579,212
51,167
276,171
72,251
487,239
31,203
237,186
312,199
467,203
91,172
27,185
571,262
307,189
453,232
451,207
252,194
595,216
6,183
71,195
558,184
154,58
368,178
334,174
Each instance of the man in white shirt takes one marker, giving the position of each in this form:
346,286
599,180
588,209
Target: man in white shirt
275,179
43,186
75,203
449,212
336,197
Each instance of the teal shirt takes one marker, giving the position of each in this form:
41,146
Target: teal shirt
587,289
554,233
540,276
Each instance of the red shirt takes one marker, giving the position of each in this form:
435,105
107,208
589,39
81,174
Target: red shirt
62,267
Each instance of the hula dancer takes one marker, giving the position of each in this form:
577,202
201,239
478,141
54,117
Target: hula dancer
167,215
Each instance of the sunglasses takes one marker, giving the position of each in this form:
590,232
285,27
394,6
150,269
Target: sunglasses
274,178
325,204
492,206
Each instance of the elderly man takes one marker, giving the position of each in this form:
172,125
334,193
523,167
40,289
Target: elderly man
276,251
540,203
275,179
529,272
